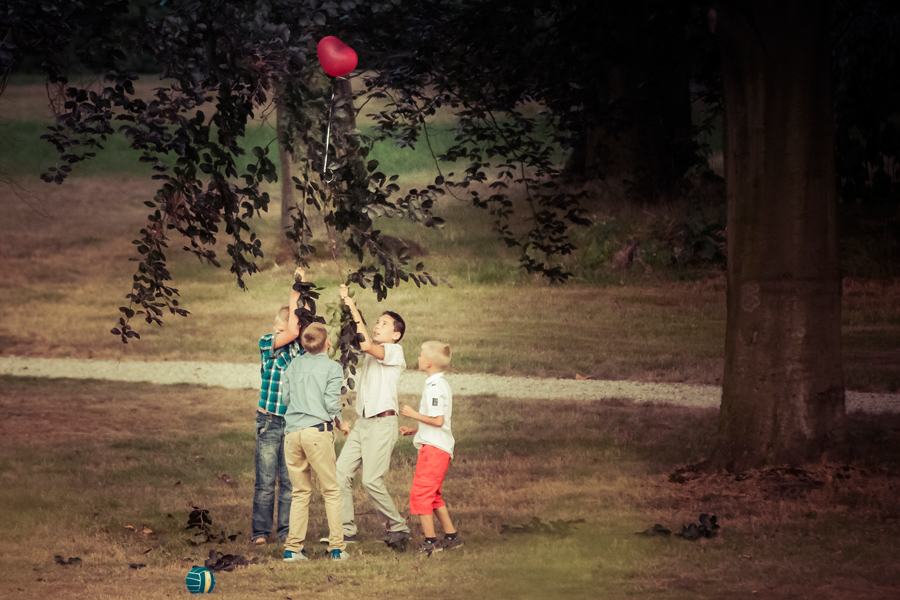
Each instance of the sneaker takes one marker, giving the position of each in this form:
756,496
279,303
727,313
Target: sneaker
339,555
448,544
348,539
291,556
396,540
427,548
259,541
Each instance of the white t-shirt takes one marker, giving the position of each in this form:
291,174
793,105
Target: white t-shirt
376,389
437,400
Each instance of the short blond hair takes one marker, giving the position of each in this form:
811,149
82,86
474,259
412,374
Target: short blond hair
438,353
284,314
314,338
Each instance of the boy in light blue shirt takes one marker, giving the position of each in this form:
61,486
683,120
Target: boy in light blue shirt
312,391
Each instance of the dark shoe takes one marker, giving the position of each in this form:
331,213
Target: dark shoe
448,544
396,540
427,548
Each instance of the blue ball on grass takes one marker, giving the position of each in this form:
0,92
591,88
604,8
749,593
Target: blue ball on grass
200,580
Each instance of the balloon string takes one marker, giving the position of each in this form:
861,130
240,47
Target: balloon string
328,133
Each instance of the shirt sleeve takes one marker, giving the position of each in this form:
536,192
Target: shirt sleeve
333,389
265,346
435,401
286,388
393,356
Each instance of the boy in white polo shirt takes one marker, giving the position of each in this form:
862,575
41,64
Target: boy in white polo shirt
371,442
435,443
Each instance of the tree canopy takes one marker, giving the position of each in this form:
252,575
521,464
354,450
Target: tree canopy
609,84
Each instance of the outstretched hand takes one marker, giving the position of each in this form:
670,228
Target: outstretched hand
345,296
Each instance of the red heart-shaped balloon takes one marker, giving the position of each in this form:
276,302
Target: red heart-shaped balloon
336,57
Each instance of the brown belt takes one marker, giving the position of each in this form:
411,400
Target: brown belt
387,413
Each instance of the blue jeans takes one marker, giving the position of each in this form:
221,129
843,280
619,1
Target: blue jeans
270,466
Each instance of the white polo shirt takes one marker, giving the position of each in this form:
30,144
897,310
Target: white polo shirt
376,389
437,400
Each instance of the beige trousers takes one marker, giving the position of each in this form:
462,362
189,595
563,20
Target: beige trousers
307,449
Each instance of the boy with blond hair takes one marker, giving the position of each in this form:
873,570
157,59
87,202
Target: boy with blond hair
435,443
270,467
312,391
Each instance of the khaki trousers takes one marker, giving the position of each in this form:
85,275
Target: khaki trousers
307,449
368,448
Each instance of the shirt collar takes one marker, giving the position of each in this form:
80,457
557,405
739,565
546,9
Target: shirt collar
434,378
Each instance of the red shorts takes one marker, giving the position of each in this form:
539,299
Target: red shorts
431,468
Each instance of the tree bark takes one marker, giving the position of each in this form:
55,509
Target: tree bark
783,390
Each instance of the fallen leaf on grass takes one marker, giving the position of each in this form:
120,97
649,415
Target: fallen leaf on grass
137,565
199,517
226,479
73,561
707,528
227,563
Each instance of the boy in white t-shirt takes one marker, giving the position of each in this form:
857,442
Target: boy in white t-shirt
369,446
435,443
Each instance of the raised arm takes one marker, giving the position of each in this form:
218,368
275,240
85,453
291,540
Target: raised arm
366,345
293,326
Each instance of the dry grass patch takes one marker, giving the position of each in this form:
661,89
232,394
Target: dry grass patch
65,251
81,460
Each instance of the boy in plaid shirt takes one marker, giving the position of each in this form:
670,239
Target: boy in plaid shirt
270,465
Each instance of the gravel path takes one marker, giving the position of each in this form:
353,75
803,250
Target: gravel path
241,376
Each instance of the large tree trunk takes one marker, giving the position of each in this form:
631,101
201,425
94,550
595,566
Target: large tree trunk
783,391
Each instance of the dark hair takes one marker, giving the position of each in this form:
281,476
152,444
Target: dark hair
399,324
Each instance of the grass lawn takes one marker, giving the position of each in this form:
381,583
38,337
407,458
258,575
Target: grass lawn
548,495
109,472
65,254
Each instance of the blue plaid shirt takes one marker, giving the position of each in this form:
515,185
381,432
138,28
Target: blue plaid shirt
271,369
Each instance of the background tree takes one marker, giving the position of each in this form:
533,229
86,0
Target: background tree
523,80
783,389
866,67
